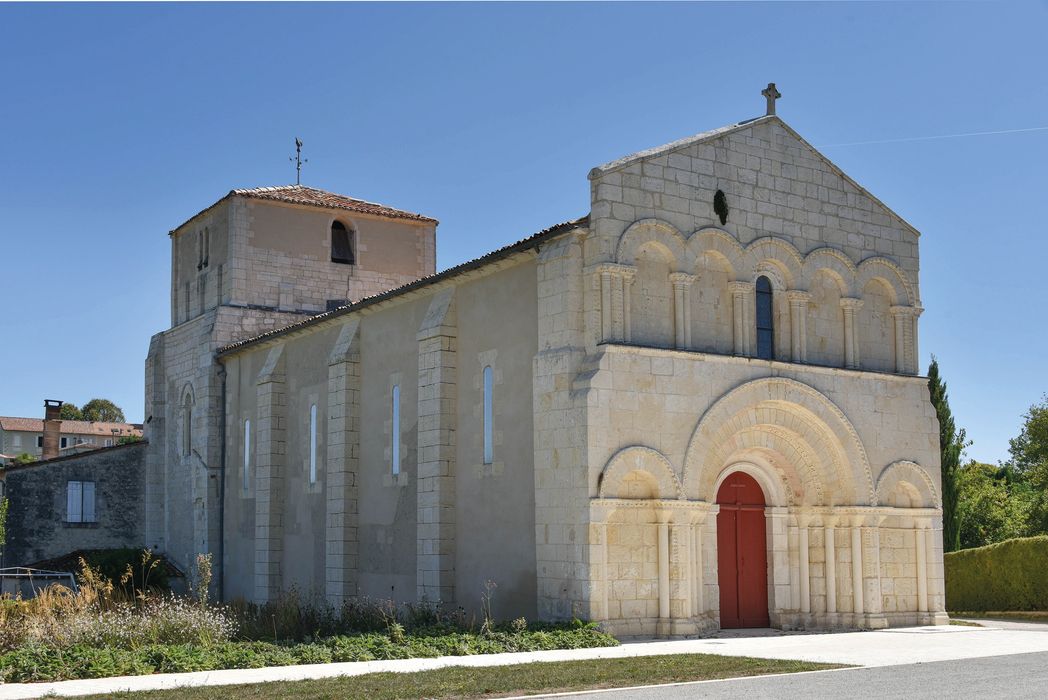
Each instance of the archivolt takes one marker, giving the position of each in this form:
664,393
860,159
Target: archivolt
775,252
652,231
907,472
642,459
888,272
780,406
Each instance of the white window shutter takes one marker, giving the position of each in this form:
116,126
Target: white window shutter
89,501
74,492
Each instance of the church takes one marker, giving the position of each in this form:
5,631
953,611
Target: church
696,407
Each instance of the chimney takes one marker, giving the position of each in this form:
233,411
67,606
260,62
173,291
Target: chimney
52,427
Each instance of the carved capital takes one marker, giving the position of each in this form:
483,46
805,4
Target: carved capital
682,279
914,311
798,297
740,287
850,303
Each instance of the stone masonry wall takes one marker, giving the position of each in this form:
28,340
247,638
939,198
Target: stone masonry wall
36,524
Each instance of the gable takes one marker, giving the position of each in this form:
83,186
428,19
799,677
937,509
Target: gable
775,182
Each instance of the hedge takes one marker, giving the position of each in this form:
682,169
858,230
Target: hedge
1009,575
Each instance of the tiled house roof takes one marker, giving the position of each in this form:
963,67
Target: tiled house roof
69,427
311,196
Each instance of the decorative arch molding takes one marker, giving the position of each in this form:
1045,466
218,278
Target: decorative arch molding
638,458
836,264
784,405
776,492
720,243
906,472
777,254
186,396
888,272
648,231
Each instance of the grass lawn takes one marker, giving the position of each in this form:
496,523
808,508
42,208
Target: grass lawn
499,681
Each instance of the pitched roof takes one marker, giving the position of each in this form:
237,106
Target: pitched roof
499,254
674,146
311,196
71,427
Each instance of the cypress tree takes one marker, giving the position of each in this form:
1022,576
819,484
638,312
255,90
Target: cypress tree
951,444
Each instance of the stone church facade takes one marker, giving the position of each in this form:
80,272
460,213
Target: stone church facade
697,406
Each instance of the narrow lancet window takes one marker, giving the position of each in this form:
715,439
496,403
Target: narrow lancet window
247,454
489,441
313,444
765,327
342,244
394,438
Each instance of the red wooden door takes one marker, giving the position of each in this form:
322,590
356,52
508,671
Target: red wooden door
742,554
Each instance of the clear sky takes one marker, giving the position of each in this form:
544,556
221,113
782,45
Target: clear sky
118,122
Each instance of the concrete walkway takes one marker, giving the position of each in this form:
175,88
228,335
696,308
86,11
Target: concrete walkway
881,648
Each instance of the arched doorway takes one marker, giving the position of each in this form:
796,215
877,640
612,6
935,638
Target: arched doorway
742,553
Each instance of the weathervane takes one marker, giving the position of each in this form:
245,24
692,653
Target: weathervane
298,161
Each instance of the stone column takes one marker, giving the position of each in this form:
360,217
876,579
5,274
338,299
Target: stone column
851,341
343,458
805,562
906,338
829,523
698,596
799,323
742,301
682,308
270,457
605,303
437,381
858,606
921,542
871,566
664,569
628,275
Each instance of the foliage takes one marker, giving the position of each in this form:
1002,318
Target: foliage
951,445
720,206
128,439
108,613
992,505
1009,575
69,411
1029,462
102,410
25,458
113,565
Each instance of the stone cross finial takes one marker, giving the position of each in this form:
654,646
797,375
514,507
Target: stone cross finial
772,94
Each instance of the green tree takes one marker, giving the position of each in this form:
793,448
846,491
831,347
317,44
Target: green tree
102,410
951,445
1029,462
24,458
992,506
71,412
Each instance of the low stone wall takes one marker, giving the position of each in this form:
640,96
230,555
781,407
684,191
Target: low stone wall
38,524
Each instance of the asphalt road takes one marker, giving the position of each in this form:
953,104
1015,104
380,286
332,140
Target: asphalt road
1017,676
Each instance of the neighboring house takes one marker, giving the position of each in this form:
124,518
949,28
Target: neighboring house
89,501
698,406
26,435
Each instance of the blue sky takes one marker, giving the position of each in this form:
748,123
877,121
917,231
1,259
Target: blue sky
120,121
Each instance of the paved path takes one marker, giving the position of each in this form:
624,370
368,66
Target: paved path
1016,677
882,648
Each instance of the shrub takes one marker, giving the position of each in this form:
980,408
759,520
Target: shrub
1009,575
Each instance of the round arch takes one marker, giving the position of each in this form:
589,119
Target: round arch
833,263
912,478
783,406
888,272
638,458
721,244
656,231
774,253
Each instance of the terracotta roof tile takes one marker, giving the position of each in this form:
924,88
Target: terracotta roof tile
69,427
311,196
